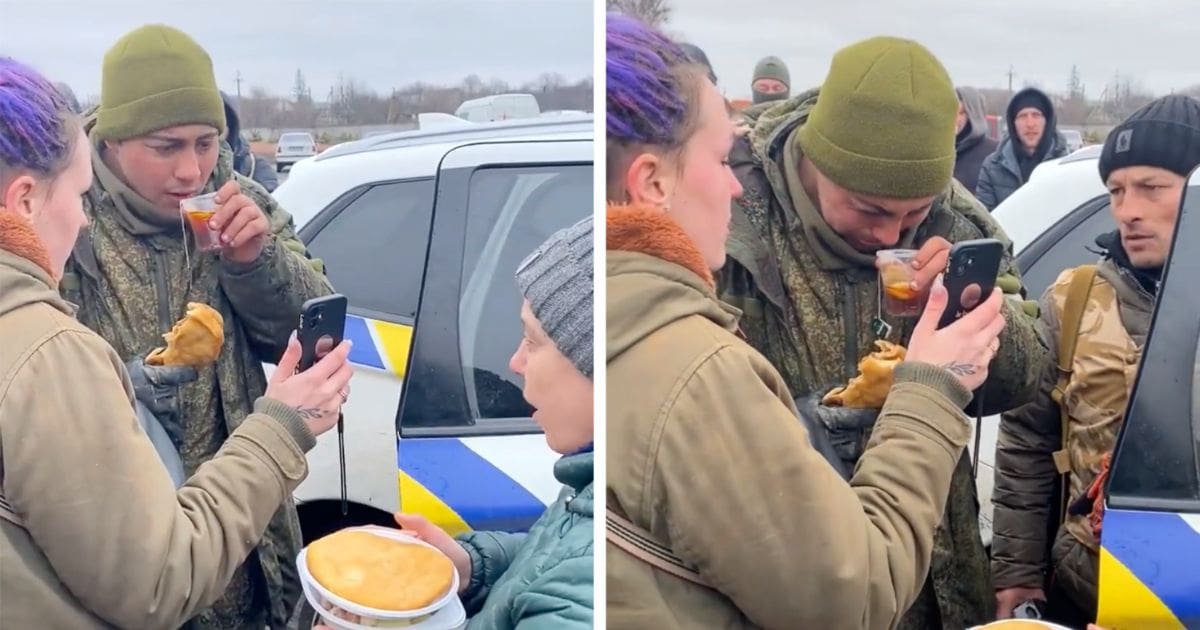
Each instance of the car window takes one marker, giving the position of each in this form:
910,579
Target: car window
1156,465
374,248
510,212
296,138
1069,243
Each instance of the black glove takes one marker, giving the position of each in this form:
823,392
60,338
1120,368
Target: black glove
157,387
845,429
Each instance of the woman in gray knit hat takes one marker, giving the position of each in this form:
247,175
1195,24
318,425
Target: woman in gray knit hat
543,578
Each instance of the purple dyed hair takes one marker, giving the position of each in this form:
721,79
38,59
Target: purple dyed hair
37,126
647,91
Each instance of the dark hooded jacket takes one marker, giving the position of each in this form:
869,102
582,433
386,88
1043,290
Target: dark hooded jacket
972,145
1009,167
244,161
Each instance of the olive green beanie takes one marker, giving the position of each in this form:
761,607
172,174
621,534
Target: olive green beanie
883,124
153,78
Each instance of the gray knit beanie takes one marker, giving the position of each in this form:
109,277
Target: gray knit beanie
557,280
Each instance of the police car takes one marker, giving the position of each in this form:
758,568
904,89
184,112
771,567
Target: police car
423,231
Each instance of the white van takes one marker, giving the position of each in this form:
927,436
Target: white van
499,107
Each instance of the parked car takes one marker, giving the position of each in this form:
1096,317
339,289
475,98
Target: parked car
422,231
293,147
1074,139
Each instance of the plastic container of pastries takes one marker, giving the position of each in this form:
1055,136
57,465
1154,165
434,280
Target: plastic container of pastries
368,577
1020,624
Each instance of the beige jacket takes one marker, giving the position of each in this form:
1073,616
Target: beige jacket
705,453
93,533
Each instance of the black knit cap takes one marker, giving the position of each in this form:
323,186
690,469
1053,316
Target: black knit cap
1165,133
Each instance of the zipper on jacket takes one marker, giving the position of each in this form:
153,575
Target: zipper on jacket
850,327
160,287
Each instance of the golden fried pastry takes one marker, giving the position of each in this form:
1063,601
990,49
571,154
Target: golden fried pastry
1016,624
195,340
379,572
870,388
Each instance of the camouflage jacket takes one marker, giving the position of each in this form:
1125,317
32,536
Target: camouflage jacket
1112,333
813,317
131,282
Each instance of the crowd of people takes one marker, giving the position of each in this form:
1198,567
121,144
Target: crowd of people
96,265
742,286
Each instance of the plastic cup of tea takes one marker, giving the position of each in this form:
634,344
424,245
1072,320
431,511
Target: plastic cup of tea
197,211
896,275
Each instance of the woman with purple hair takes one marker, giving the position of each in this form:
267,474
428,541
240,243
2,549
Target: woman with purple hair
93,533
721,513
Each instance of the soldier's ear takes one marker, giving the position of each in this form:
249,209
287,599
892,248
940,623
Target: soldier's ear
650,180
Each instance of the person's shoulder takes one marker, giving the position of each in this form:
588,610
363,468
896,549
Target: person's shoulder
55,341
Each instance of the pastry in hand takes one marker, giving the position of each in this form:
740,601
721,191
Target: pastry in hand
380,572
870,388
195,340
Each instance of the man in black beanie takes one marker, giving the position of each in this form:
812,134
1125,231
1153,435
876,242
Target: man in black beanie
1145,165
1033,138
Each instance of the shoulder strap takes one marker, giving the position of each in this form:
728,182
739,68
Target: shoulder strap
635,541
1072,317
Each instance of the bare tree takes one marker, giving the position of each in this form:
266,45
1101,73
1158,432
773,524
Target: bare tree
1123,96
653,12
1074,109
472,85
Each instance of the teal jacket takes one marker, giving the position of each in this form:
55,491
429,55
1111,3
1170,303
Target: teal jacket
542,579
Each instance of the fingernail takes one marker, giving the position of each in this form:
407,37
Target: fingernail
937,282
212,225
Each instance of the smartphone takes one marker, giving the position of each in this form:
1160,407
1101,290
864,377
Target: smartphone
322,326
971,276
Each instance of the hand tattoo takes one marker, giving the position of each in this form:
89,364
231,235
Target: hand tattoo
960,369
310,413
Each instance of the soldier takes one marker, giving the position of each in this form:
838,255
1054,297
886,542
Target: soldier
830,177
155,140
771,81
1145,164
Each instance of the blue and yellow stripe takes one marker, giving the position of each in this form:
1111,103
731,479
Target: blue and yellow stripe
1148,571
381,345
451,485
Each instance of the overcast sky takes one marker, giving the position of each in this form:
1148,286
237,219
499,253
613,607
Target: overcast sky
977,40
384,43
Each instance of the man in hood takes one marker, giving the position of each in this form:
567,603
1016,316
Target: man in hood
244,160
1033,138
830,177
971,144
771,81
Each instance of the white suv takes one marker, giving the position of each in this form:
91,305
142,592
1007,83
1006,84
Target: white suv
423,231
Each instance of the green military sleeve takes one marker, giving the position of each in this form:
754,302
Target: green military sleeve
267,294
1013,375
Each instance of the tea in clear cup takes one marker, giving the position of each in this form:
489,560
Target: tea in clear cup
896,275
197,211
